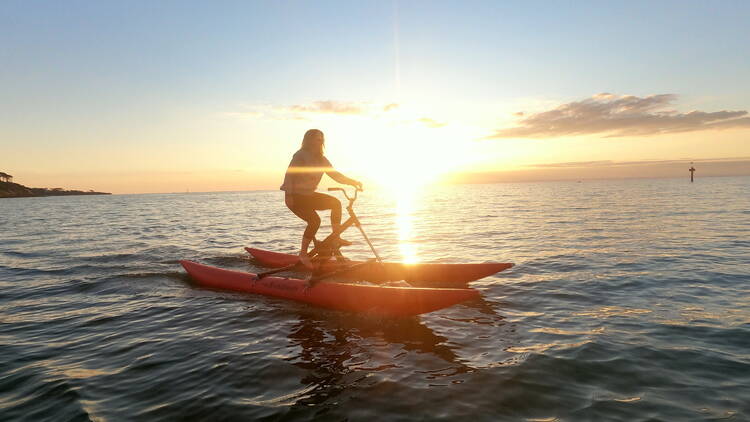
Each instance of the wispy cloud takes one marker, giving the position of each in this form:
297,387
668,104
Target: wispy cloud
620,115
309,111
328,107
432,123
607,169
391,113
574,164
611,163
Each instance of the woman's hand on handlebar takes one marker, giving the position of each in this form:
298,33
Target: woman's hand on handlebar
357,184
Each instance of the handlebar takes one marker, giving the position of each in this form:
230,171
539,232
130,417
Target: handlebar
346,195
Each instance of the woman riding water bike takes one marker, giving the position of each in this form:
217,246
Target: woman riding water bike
300,182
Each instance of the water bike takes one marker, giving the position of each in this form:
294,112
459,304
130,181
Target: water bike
447,283
328,261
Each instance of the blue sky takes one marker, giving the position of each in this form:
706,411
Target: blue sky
76,71
149,52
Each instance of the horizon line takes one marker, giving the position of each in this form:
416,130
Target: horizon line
573,180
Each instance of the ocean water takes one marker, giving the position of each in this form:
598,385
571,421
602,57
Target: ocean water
630,300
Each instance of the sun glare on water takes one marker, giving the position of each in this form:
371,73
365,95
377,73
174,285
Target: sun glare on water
405,224
403,169
403,181
402,159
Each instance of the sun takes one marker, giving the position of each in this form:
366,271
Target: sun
405,160
404,148
403,166
404,177
400,159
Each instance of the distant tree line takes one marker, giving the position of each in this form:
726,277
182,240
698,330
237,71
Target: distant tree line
8,189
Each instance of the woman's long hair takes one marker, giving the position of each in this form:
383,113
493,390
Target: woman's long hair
309,145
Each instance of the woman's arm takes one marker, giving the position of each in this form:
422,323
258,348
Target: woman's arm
339,177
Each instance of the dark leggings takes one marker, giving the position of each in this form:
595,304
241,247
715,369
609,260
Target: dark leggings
306,205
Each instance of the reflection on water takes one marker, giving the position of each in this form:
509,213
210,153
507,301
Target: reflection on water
342,352
486,313
405,222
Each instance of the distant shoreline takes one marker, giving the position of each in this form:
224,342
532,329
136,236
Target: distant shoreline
15,190
51,192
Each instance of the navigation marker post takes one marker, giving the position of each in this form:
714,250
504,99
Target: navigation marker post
692,170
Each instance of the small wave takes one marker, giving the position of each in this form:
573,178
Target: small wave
49,399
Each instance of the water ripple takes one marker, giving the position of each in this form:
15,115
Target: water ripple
629,301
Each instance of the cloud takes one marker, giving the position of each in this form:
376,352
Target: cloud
606,169
607,163
574,164
610,163
299,111
431,122
619,115
389,113
328,106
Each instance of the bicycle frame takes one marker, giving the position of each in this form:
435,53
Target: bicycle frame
329,247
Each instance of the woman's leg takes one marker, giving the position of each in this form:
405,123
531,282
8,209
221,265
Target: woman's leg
303,208
321,202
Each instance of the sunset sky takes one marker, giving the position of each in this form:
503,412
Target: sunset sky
168,96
